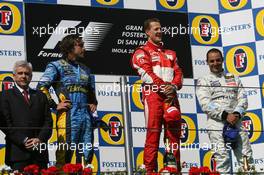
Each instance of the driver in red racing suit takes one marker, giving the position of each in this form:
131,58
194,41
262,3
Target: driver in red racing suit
161,77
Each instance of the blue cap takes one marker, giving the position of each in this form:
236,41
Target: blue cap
230,133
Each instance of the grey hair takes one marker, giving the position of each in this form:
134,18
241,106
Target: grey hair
22,63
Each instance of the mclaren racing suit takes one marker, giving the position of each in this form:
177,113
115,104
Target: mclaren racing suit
71,81
218,95
157,66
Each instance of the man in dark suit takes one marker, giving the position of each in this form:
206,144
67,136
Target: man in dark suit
28,118
2,119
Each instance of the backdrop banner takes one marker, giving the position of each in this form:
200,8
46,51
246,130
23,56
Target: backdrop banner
110,35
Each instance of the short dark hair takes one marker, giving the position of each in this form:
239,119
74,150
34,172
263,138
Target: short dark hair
148,21
68,42
214,50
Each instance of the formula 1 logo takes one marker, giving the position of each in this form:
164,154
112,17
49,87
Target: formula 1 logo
188,130
7,81
253,124
205,29
114,136
10,18
92,34
240,60
110,3
172,4
233,4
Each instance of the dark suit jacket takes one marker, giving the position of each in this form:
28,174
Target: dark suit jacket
20,117
2,119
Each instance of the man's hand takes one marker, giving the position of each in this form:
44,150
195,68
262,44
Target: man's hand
170,93
30,143
232,118
64,106
168,90
92,107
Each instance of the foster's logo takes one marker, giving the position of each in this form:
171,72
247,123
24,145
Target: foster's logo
240,60
172,4
10,18
205,29
233,4
115,135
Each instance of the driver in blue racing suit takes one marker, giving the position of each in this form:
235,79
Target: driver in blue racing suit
72,83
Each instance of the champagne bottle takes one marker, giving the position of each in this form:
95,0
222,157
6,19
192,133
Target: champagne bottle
245,163
83,162
169,160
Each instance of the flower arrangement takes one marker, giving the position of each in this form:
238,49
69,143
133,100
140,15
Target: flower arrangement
168,170
141,170
77,169
50,171
70,169
202,171
31,169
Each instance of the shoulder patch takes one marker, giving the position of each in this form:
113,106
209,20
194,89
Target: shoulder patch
169,56
141,55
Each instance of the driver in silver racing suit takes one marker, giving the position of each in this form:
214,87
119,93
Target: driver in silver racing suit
223,99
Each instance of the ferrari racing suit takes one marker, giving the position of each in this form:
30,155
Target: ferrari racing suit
218,95
157,67
71,81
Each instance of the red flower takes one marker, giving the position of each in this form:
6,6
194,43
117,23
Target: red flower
50,171
205,170
67,168
194,171
32,169
72,168
78,167
201,171
17,173
168,170
87,171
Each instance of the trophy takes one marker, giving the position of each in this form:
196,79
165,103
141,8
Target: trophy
169,160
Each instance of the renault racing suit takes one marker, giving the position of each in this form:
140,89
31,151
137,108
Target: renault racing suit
71,81
218,95
157,67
